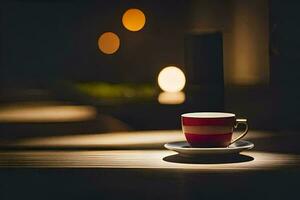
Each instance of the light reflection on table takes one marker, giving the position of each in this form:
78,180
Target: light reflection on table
117,140
135,159
171,98
133,150
45,112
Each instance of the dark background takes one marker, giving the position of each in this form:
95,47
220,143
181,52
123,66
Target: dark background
43,41
45,44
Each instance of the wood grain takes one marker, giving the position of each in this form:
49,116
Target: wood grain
145,159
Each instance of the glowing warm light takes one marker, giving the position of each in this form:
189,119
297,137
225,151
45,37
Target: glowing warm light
108,42
133,19
171,79
171,97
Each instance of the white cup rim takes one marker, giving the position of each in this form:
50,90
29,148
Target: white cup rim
208,115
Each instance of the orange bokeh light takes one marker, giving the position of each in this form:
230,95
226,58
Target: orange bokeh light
109,42
134,19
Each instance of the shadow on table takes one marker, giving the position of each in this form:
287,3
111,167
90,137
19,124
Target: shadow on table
239,158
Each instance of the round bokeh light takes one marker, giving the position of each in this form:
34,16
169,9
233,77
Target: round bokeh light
134,19
171,79
109,42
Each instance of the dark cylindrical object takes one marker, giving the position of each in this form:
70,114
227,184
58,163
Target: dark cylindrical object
204,70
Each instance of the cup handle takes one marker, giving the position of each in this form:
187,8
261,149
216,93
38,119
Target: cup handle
240,121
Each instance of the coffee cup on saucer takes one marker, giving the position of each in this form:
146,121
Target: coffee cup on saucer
211,129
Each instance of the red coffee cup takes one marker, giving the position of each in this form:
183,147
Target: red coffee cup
211,129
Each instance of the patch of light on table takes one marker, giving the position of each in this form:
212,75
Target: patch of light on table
117,140
35,113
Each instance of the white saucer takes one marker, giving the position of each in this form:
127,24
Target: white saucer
184,149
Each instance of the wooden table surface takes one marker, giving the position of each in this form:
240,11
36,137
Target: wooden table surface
135,163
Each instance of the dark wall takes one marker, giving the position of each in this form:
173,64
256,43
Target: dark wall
45,40
285,62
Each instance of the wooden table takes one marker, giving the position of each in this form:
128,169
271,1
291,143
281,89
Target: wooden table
135,165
